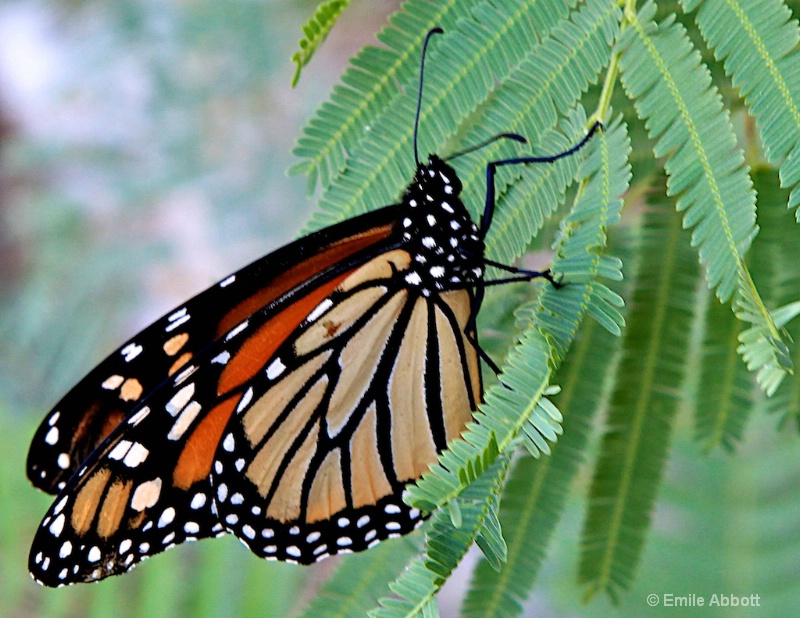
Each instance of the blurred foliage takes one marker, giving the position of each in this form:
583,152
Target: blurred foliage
143,148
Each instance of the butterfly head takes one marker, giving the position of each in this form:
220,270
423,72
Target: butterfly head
436,178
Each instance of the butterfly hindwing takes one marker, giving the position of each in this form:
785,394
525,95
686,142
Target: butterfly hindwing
88,413
354,405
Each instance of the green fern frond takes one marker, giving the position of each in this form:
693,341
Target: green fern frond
553,321
684,113
725,397
774,265
643,405
336,138
316,31
536,492
759,43
465,75
417,587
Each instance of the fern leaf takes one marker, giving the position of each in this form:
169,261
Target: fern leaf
316,31
684,113
369,103
725,398
465,78
643,405
759,43
416,588
535,495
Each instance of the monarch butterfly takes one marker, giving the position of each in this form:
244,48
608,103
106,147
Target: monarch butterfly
289,404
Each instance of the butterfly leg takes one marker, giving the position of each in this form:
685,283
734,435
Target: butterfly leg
491,169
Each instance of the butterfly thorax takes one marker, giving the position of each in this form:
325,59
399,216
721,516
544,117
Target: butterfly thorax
446,249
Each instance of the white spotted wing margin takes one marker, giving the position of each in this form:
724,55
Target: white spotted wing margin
373,385
122,507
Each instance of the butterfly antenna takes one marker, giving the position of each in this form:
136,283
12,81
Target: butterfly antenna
431,32
486,142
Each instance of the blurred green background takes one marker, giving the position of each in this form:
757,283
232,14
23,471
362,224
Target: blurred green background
143,147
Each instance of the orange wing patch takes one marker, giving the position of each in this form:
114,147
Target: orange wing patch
194,463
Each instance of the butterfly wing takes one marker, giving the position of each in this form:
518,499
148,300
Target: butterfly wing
354,405
146,486
88,413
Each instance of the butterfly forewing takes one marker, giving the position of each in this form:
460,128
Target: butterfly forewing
99,402
355,404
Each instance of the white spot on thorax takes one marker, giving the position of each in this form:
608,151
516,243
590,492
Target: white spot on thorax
429,242
413,278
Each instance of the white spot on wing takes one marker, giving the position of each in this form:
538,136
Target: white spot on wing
166,517
146,495
52,436
184,421
236,330
136,455
413,278
198,501
180,399
177,323
63,461
275,369
139,416
227,281
111,383
245,400
320,309
120,450
222,358
66,549
58,525
131,351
